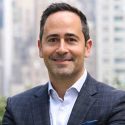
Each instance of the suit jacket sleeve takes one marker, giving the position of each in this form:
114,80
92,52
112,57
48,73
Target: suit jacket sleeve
117,116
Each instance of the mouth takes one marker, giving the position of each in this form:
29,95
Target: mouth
62,59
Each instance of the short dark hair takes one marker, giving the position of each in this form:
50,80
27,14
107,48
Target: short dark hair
56,7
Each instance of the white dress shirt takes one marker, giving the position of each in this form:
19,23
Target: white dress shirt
60,109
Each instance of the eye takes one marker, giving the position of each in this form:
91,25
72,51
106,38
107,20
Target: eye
53,40
71,40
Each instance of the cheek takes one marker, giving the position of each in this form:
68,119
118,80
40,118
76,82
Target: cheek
43,52
46,52
79,52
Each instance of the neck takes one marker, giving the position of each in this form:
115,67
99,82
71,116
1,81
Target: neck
61,84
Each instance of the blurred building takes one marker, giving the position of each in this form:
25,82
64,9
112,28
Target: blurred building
5,46
110,27
24,68
1,48
18,70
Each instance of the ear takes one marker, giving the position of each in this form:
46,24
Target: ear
88,48
40,49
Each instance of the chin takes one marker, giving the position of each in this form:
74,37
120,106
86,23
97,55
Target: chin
64,73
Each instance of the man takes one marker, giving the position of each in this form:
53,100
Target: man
72,96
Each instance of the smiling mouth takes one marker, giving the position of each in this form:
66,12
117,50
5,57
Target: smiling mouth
61,59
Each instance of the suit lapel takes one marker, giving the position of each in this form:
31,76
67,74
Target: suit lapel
40,107
83,103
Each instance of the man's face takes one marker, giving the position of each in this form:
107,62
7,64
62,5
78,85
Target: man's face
63,45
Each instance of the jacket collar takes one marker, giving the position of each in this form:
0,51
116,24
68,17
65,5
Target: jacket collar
40,106
84,102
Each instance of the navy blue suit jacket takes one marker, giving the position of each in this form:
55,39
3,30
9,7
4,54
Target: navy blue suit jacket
96,102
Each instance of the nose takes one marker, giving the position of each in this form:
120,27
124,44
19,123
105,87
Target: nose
62,48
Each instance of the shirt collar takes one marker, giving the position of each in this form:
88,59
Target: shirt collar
77,85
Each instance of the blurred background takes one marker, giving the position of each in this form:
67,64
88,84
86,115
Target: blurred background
20,65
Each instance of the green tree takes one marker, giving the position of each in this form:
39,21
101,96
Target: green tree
2,107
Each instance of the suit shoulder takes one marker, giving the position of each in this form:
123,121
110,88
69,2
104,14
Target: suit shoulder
22,101
29,93
105,89
108,88
110,92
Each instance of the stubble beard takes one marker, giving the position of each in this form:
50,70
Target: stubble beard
64,72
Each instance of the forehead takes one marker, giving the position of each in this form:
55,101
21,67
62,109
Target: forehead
65,15
63,20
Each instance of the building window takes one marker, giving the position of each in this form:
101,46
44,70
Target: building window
118,18
120,70
118,39
119,29
120,60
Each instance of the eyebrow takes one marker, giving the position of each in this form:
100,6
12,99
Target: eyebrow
71,34
66,35
52,35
